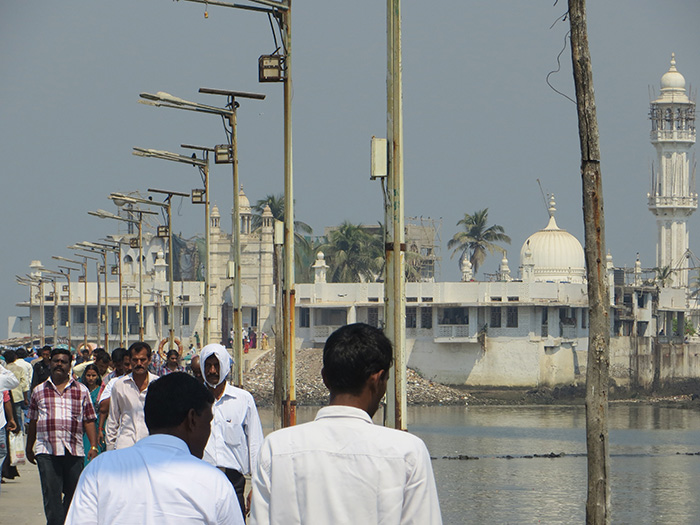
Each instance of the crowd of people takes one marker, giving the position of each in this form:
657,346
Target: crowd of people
122,438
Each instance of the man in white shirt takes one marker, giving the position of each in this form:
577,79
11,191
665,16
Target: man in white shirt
126,424
236,432
341,468
8,381
160,479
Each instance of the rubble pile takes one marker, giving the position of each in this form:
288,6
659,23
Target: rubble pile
311,391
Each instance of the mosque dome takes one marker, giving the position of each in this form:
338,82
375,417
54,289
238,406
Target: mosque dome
673,84
555,254
243,201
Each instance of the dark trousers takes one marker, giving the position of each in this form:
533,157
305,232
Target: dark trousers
59,476
238,481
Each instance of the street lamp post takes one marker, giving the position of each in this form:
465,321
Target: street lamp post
66,274
162,99
114,248
107,215
167,205
28,283
203,165
84,266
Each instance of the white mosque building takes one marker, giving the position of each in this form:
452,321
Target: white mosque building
524,330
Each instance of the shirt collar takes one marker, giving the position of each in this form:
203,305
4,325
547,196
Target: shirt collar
343,411
167,440
71,380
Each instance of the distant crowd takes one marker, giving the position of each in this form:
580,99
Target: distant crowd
135,436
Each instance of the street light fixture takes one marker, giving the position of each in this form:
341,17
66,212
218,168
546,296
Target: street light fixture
281,11
120,200
26,282
84,277
223,154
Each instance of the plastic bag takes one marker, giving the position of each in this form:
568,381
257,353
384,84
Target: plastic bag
17,444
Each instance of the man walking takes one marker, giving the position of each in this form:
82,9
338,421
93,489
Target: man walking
160,480
236,432
341,468
126,424
42,369
8,381
60,410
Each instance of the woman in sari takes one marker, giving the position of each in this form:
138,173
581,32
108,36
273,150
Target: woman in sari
92,380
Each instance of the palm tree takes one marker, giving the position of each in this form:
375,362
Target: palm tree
303,245
477,238
354,255
664,276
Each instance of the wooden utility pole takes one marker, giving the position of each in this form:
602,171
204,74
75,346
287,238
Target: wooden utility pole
597,373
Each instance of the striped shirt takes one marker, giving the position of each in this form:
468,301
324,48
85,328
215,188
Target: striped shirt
60,417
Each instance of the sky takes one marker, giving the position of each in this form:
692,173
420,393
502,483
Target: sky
481,125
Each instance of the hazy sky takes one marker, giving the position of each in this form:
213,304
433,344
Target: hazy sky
480,123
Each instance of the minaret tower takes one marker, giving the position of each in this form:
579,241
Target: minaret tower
673,198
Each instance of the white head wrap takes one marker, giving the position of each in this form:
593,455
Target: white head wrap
222,355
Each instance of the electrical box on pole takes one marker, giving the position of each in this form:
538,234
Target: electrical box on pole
378,159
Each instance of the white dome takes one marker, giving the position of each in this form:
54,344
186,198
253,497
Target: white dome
243,201
673,84
555,254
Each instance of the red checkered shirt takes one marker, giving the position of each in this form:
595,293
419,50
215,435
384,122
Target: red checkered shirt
60,417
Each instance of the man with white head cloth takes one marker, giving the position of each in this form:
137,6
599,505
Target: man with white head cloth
236,432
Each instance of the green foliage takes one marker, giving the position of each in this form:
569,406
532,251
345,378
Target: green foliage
476,238
353,254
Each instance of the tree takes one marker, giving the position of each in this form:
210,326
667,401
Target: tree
477,238
303,246
353,254
664,276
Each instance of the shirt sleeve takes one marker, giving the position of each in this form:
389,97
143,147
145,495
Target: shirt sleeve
33,412
89,414
112,423
254,433
260,505
84,505
228,511
421,505
8,380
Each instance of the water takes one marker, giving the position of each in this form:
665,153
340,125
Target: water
653,481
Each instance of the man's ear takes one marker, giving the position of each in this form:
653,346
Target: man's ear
190,420
323,376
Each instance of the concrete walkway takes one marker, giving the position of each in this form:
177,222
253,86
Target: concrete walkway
20,498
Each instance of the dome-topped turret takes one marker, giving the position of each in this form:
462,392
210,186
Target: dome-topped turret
673,84
243,201
554,254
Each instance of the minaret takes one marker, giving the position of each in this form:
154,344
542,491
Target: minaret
673,198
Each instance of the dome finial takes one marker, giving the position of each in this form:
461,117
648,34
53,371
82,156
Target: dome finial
552,205
673,62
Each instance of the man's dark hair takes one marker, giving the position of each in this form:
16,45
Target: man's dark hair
21,353
171,397
173,352
138,346
118,355
10,356
44,348
62,351
352,354
101,356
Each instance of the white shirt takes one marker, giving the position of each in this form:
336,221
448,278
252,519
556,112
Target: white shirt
343,469
126,423
8,381
236,432
107,390
155,482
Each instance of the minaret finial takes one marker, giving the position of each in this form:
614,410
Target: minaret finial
552,205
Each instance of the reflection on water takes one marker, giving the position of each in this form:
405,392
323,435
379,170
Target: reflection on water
653,480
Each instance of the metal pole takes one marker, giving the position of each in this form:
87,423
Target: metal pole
70,314
31,319
394,217
55,313
85,300
141,336
237,313
99,302
104,258
289,292
207,255
171,306
41,311
126,318
121,306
